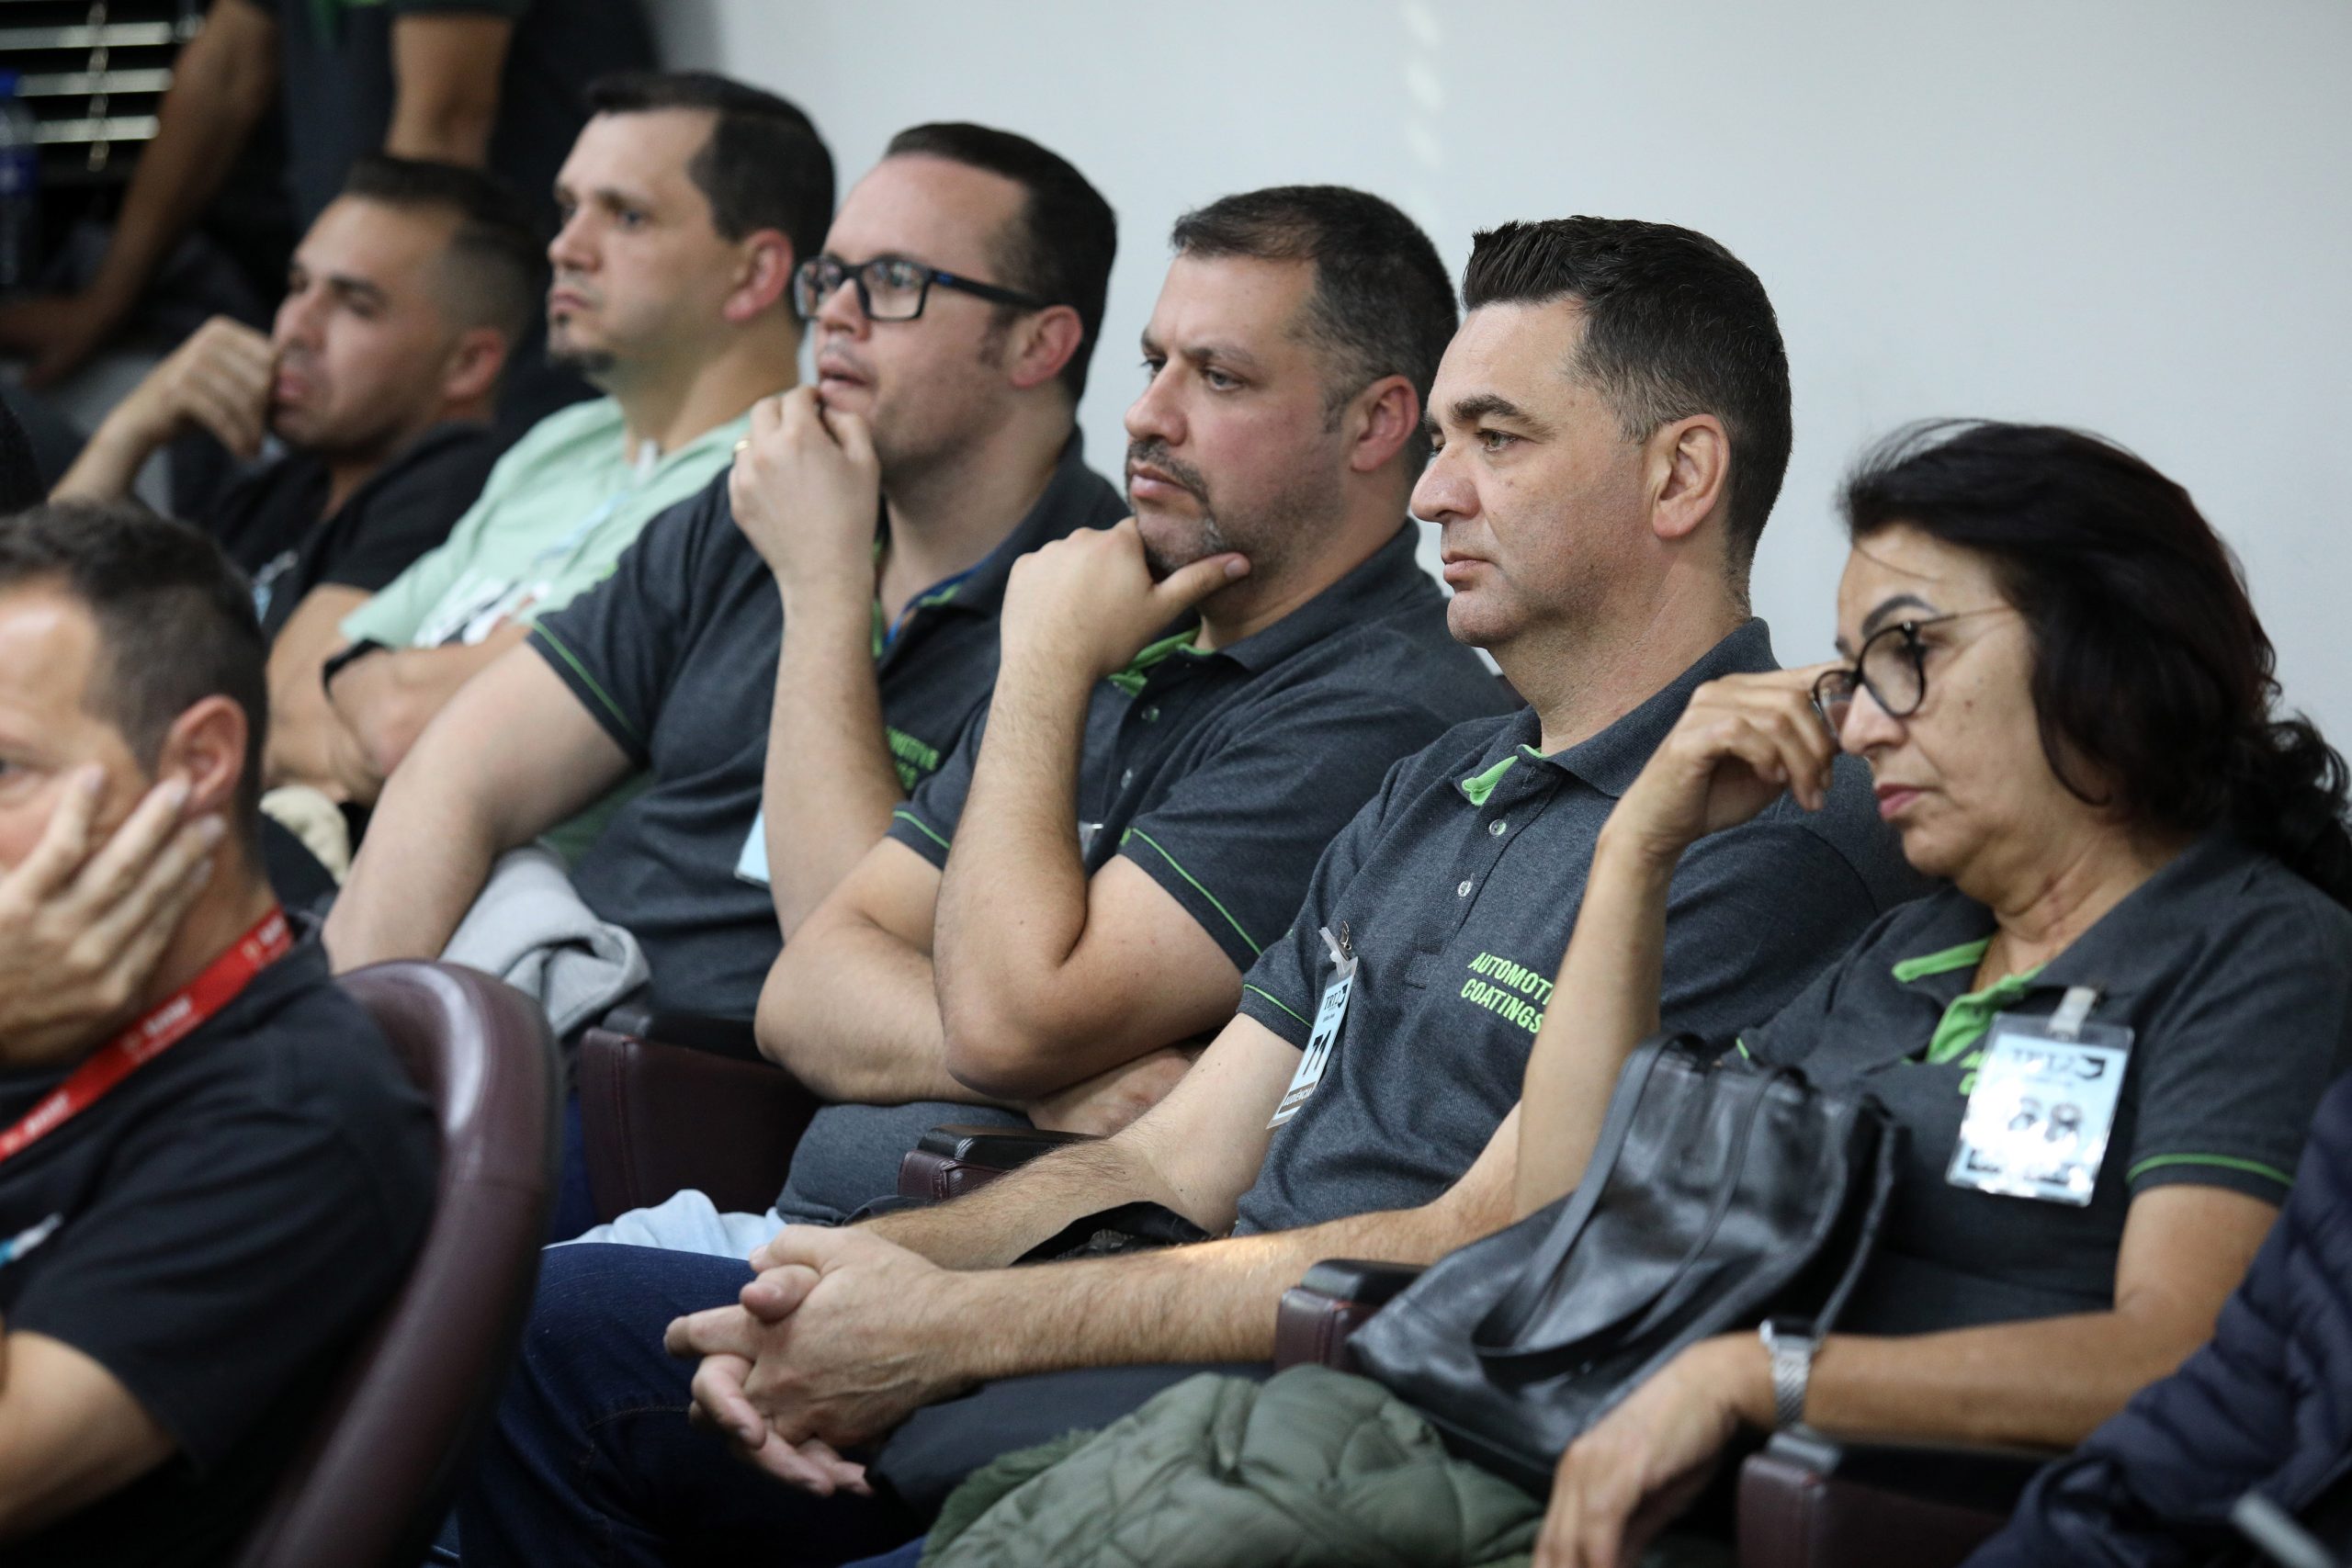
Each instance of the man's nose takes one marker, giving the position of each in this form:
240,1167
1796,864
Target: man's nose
1444,492
1154,415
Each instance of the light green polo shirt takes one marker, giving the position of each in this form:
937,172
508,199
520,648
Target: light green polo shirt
555,514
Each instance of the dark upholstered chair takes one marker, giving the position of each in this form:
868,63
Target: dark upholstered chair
670,1101
1806,1501
953,1160
372,1486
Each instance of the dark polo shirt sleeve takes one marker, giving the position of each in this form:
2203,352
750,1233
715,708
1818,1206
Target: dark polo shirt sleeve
619,645
2244,1053
1238,836
926,823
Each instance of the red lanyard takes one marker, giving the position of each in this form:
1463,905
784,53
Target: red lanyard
155,1034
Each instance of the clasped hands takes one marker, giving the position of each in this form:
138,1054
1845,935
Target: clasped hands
840,1337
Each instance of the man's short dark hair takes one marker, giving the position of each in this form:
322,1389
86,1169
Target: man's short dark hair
764,165
175,624
1062,247
496,264
1382,304
1674,325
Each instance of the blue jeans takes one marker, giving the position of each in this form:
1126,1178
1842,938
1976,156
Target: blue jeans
591,1458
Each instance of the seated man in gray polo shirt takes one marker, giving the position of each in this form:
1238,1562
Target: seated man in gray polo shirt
1189,706
1614,421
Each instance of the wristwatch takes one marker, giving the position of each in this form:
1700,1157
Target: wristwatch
340,661
1790,1342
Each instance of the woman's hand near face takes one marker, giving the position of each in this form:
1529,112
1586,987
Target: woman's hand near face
1743,740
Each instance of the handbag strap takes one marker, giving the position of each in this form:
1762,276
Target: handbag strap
1496,1336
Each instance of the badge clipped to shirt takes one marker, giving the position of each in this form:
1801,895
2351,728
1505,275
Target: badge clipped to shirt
1332,1014
751,863
2038,1121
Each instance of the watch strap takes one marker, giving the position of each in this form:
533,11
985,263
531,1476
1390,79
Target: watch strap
342,659
1790,1345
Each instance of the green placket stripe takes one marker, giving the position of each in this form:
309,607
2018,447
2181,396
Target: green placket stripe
2225,1162
581,670
919,826
1188,876
1282,1004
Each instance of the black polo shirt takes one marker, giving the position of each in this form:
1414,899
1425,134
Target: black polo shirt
1458,887
2234,976
674,655
269,523
217,1232
1222,775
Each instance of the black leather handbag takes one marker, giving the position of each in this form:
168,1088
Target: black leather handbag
1719,1194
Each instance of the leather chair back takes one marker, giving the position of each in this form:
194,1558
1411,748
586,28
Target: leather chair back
376,1476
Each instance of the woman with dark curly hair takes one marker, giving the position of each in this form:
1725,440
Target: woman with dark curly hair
2069,711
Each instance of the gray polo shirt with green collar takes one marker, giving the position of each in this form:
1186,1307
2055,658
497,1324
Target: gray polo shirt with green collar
1221,775
2234,976
1458,887
675,656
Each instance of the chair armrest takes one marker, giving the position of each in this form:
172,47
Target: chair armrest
955,1159
702,1031
1319,1314
657,1118
1812,1501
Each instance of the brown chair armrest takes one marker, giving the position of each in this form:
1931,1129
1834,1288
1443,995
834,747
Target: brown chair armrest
703,1031
955,1159
1812,1501
657,1118
1321,1311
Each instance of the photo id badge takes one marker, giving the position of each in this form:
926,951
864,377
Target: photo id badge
2038,1121
1329,1017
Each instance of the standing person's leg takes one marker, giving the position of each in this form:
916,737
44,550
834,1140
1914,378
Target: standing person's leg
591,1458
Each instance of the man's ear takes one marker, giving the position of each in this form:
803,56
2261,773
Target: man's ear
1379,421
1043,345
206,746
762,275
476,361
1690,474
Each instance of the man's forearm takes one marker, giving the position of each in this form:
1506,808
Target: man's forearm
388,698
222,84
831,785
426,855
1213,1301
848,1010
1012,902
997,1225
109,461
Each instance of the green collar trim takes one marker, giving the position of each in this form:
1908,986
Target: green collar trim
1478,786
1967,955
1140,667
1967,1017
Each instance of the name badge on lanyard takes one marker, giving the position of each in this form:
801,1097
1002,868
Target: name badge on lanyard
1329,1017
2039,1119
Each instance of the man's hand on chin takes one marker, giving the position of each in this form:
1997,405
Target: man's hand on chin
841,1336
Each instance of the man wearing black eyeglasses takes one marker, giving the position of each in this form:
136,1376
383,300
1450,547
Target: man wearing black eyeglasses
876,514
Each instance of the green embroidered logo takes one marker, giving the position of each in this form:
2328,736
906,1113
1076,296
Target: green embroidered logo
1507,990
914,760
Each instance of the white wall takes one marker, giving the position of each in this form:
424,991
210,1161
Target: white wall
2133,215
